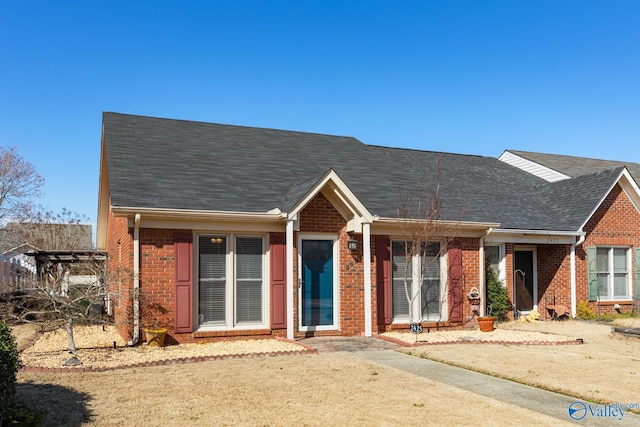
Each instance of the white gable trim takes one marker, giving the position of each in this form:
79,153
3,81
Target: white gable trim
533,168
343,199
630,188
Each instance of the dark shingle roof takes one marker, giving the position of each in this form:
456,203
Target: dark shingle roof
175,164
577,166
575,200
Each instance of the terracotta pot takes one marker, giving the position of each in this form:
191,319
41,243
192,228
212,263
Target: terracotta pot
155,336
486,323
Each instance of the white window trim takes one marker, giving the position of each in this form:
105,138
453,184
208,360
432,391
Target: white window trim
336,285
230,285
415,279
502,276
611,272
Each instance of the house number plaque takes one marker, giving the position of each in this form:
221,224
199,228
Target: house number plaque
415,328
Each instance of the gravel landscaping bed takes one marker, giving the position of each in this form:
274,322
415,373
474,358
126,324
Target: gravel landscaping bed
95,349
511,336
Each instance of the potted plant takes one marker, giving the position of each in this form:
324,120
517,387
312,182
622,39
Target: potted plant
154,323
497,301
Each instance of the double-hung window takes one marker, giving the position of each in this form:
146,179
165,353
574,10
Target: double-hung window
231,281
420,270
613,273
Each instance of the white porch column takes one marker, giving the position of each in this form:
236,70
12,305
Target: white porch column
572,258
483,279
366,249
290,283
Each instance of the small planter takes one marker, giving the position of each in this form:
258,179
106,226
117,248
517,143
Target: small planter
486,323
155,336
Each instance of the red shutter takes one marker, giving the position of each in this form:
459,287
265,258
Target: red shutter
383,279
183,247
455,282
278,256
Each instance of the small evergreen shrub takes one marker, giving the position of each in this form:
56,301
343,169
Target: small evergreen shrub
9,366
497,297
584,311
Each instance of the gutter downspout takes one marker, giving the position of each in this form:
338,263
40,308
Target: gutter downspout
136,281
482,284
573,274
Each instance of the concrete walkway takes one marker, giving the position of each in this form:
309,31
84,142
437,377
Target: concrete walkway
545,402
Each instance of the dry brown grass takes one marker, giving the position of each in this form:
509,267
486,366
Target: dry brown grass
327,389
605,369
339,389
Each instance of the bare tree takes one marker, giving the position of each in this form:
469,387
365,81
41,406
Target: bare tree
63,293
19,183
426,238
69,285
47,230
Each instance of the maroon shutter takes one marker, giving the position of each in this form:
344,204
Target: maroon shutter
183,247
455,282
383,280
278,258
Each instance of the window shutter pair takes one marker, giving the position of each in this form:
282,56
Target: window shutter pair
383,281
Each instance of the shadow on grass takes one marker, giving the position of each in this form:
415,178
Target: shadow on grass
61,406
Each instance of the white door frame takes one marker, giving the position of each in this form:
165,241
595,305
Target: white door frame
336,265
534,255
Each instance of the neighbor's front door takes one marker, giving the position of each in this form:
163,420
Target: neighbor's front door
525,291
317,285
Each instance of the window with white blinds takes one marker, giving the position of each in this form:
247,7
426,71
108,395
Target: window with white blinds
230,280
248,279
421,272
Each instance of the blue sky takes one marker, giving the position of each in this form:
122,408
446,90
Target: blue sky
473,77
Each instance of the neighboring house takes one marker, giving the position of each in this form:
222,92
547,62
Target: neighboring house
248,231
608,255
43,249
47,236
15,267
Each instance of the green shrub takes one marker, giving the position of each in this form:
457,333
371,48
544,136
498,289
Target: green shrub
9,365
497,296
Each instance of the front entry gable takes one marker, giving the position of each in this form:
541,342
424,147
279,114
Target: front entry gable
343,200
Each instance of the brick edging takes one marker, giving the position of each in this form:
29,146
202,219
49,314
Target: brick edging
166,362
500,342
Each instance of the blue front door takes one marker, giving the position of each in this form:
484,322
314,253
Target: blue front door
317,290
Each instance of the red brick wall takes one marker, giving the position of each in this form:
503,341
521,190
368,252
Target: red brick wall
120,271
554,276
470,276
157,276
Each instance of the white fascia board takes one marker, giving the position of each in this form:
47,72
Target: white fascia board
204,220
628,185
532,236
531,167
394,226
341,190
103,199
197,214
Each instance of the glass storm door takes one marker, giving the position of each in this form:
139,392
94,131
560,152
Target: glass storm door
524,281
317,285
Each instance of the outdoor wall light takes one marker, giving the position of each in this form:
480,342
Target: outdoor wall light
352,244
